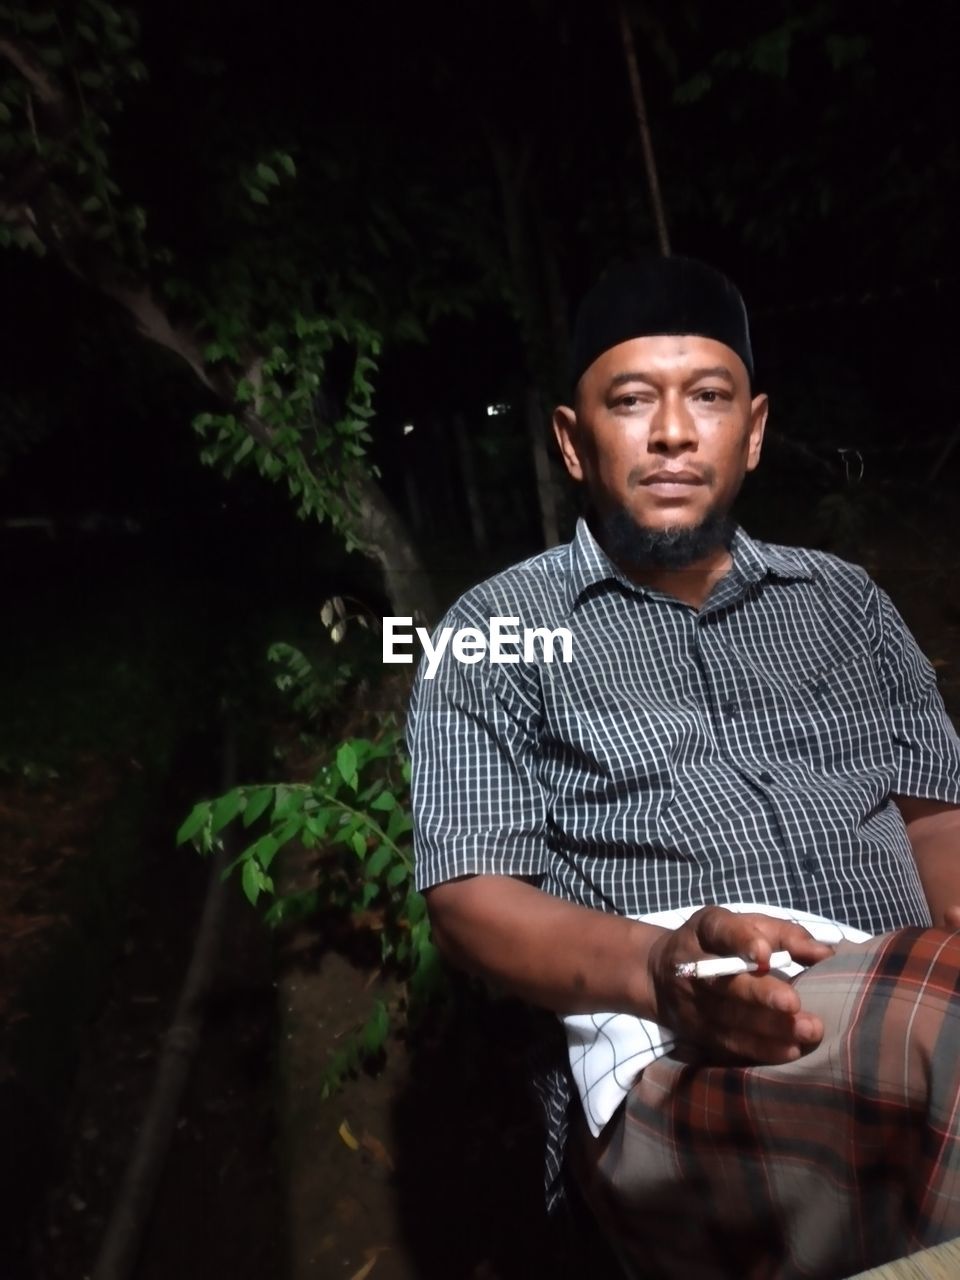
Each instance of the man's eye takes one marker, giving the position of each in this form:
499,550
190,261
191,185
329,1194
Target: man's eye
709,396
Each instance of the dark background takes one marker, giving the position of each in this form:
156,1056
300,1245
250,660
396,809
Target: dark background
464,173
823,183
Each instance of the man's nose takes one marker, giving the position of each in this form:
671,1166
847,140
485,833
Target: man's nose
672,426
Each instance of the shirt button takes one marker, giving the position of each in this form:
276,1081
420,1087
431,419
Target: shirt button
808,865
729,709
765,776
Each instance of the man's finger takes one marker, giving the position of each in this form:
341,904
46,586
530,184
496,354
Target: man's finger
803,946
739,1022
743,1047
756,937
730,933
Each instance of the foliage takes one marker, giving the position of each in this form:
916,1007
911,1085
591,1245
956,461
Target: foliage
310,691
32,772
248,275
291,441
355,812
264,345
769,71
90,54
313,682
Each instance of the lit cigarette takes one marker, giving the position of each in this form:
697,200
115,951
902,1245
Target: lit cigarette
723,966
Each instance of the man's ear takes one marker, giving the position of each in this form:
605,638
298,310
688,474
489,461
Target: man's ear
759,408
565,430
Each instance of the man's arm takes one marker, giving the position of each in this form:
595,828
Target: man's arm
933,827
572,959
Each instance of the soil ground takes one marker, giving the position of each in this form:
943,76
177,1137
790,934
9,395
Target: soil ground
219,1206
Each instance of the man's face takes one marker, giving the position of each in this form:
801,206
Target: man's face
663,431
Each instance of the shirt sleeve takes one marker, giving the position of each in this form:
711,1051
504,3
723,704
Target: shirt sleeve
925,744
478,805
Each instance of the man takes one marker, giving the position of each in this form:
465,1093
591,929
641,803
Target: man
740,724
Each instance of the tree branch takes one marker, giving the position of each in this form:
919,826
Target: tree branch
25,60
54,222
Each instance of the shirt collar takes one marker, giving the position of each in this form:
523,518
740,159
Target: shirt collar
589,565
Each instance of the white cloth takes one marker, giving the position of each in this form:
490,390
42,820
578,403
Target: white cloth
609,1050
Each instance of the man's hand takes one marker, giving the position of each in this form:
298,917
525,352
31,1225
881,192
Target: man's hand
752,1016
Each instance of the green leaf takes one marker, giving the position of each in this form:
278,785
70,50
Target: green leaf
384,802
91,205
318,822
289,801
257,804
286,164
399,823
347,764
5,114
376,1030
226,809
359,844
265,850
250,880
257,196
290,830
194,822
381,856
429,975
415,908
344,833
268,175
396,875
244,449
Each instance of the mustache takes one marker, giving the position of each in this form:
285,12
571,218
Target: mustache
642,475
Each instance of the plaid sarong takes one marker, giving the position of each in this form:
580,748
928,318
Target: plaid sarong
818,1168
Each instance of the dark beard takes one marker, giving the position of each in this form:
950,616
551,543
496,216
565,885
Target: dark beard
628,542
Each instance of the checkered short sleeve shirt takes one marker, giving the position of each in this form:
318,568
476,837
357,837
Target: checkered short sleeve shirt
746,751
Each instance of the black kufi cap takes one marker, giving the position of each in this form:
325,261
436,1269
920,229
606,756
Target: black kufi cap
658,296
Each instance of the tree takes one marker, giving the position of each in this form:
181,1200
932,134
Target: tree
254,323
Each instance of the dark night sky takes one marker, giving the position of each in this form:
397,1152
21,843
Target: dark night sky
408,94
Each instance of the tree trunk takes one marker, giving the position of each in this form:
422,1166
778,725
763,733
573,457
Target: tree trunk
375,525
535,315
478,526
536,427
382,534
643,128
412,495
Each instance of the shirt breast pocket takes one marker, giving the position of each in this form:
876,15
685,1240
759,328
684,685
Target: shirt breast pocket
832,714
